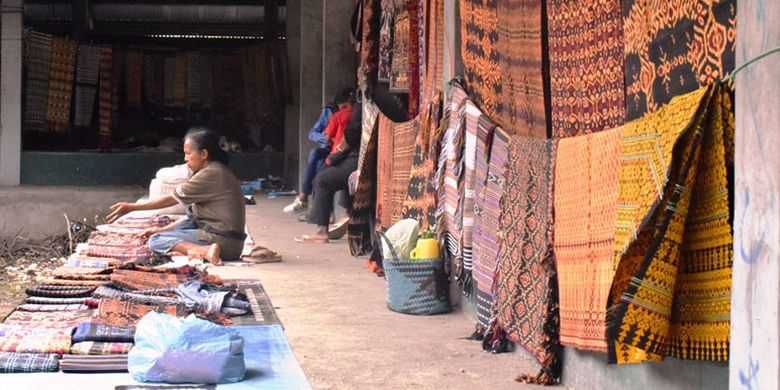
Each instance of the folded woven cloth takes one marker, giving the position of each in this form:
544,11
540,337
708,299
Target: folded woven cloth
50,307
87,331
100,348
60,291
93,363
11,362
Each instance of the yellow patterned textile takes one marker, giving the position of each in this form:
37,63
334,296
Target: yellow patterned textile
586,188
672,287
63,61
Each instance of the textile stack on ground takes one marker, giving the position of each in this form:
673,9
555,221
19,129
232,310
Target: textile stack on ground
671,294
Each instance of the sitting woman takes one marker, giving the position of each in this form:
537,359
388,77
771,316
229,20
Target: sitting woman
214,227
334,177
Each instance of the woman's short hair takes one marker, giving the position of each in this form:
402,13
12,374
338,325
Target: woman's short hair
346,94
204,138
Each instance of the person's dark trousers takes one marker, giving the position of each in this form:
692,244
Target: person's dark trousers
314,164
330,180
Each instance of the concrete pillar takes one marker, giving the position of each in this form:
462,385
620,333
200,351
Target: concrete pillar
338,54
755,295
310,75
453,64
293,110
10,92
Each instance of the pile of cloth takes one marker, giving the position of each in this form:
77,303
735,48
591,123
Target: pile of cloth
83,318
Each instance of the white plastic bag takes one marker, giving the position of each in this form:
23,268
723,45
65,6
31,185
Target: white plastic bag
191,350
403,236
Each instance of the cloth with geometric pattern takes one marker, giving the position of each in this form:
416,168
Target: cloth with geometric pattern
37,63
365,199
586,66
491,178
386,40
105,96
133,75
25,339
672,288
11,362
675,47
63,62
586,193
503,62
527,294
126,314
100,348
394,164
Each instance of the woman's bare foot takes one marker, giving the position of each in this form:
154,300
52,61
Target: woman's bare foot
212,255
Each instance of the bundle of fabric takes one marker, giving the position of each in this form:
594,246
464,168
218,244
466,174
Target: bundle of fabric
61,320
143,222
74,277
14,362
57,301
60,291
141,280
126,314
105,292
52,307
87,68
697,39
586,190
93,363
25,339
77,282
104,105
133,76
527,292
672,287
63,61
123,246
92,332
364,200
487,213
503,60
448,172
586,66
38,66
100,348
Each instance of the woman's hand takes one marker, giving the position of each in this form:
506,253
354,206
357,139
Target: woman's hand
119,209
149,232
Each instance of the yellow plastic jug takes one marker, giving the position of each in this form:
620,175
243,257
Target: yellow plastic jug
427,248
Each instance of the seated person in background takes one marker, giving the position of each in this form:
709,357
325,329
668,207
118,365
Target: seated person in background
334,177
214,227
319,133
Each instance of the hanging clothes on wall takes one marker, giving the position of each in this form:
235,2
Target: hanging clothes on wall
105,103
672,48
63,61
87,69
586,66
134,78
386,30
38,50
179,79
395,153
364,201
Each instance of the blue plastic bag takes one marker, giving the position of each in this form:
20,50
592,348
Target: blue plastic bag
191,350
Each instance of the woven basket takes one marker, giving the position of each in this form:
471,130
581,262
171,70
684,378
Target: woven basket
416,286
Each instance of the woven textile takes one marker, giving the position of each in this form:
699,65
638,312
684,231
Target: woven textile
141,280
55,301
447,172
586,193
48,320
12,362
104,102
586,66
140,223
491,179
66,272
364,200
413,67
87,68
51,307
179,79
87,331
195,76
100,348
134,77
94,363
502,56
526,294
83,261
369,48
60,291
672,48
169,65
79,277
394,164
38,65
117,245
74,283
34,340
399,69
673,284
432,46
63,61
112,293
116,80
126,314
386,30
420,202
478,128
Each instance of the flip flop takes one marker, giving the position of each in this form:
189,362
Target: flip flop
261,254
311,240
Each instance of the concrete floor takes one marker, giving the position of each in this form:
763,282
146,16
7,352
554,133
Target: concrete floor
342,333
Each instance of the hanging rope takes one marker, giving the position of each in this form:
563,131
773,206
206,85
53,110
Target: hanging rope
731,75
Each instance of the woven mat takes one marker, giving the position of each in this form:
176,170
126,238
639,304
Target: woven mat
586,193
526,278
673,284
586,66
672,48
